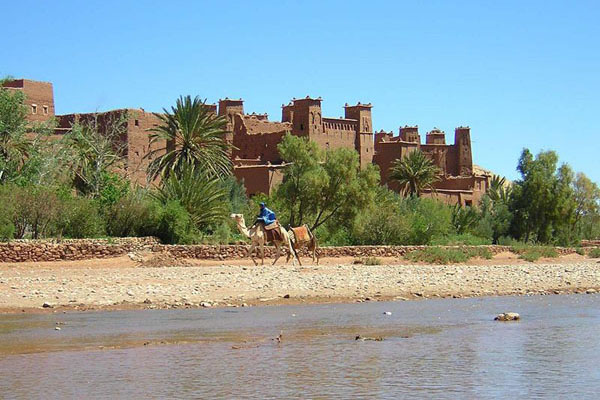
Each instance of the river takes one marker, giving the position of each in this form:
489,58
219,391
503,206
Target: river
447,348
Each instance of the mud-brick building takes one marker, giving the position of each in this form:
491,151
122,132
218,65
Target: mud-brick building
135,123
460,182
256,159
254,137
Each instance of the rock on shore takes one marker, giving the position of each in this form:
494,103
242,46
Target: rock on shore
118,282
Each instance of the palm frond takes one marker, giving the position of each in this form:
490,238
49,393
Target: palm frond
414,173
194,136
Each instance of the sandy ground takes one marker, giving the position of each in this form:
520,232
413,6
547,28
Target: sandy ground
121,283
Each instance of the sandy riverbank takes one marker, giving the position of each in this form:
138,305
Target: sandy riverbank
121,283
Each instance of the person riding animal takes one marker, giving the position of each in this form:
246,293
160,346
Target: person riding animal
269,221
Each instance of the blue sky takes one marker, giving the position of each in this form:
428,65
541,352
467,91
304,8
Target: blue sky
520,74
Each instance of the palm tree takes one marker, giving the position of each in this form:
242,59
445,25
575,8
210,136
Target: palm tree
414,173
14,143
205,198
194,136
499,190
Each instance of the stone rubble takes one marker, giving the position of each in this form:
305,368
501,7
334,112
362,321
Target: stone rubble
55,286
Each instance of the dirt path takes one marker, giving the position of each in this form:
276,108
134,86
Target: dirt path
120,283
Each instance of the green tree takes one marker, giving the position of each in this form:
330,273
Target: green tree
194,136
414,173
303,176
14,144
587,211
319,187
495,219
542,201
345,188
93,149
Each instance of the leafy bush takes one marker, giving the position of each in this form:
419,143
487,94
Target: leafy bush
580,251
481,252
135,214
440,255
533,253
381,226
594,253
80,218
176,225
7,228
33,210
7,212
368,261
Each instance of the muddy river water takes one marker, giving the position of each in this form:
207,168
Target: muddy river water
448,348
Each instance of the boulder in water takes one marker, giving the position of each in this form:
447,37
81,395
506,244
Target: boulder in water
508,316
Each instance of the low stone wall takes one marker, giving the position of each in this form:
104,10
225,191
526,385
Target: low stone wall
224,252
72,249
81,249
590,243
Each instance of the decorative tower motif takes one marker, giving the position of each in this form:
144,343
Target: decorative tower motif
364,135
462,141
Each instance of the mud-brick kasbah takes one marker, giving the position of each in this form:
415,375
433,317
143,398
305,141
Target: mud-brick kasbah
255,138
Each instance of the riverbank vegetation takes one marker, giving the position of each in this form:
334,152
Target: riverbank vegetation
78,187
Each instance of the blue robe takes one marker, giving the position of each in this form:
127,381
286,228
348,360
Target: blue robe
266,216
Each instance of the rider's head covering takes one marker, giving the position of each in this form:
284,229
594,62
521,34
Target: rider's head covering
262,205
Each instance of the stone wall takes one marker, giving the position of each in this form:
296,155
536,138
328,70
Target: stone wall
72,249
223,252
81,249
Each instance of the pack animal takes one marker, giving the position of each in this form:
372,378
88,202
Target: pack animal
302,236
259,238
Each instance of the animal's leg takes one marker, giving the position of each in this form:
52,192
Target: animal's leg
262,253
251,253
296,254
277,254
291,250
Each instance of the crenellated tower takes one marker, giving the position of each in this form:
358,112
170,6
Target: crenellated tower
364,135
462,142
305,115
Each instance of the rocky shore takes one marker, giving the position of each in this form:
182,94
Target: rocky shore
123,283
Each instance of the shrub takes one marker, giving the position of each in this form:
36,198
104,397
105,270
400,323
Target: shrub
32,209
135,214
80,218
440,255
383,226
7,212
176,225
594,253
580,251
481,252
532,253
7,229
368,261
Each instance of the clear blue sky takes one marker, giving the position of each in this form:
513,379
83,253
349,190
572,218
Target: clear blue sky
520,73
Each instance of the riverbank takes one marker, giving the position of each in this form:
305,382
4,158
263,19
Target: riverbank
123,283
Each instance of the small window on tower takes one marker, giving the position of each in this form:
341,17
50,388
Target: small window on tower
45,110
301,126
34,109
137,122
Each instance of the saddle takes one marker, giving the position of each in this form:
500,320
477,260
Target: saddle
301,234
273,232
